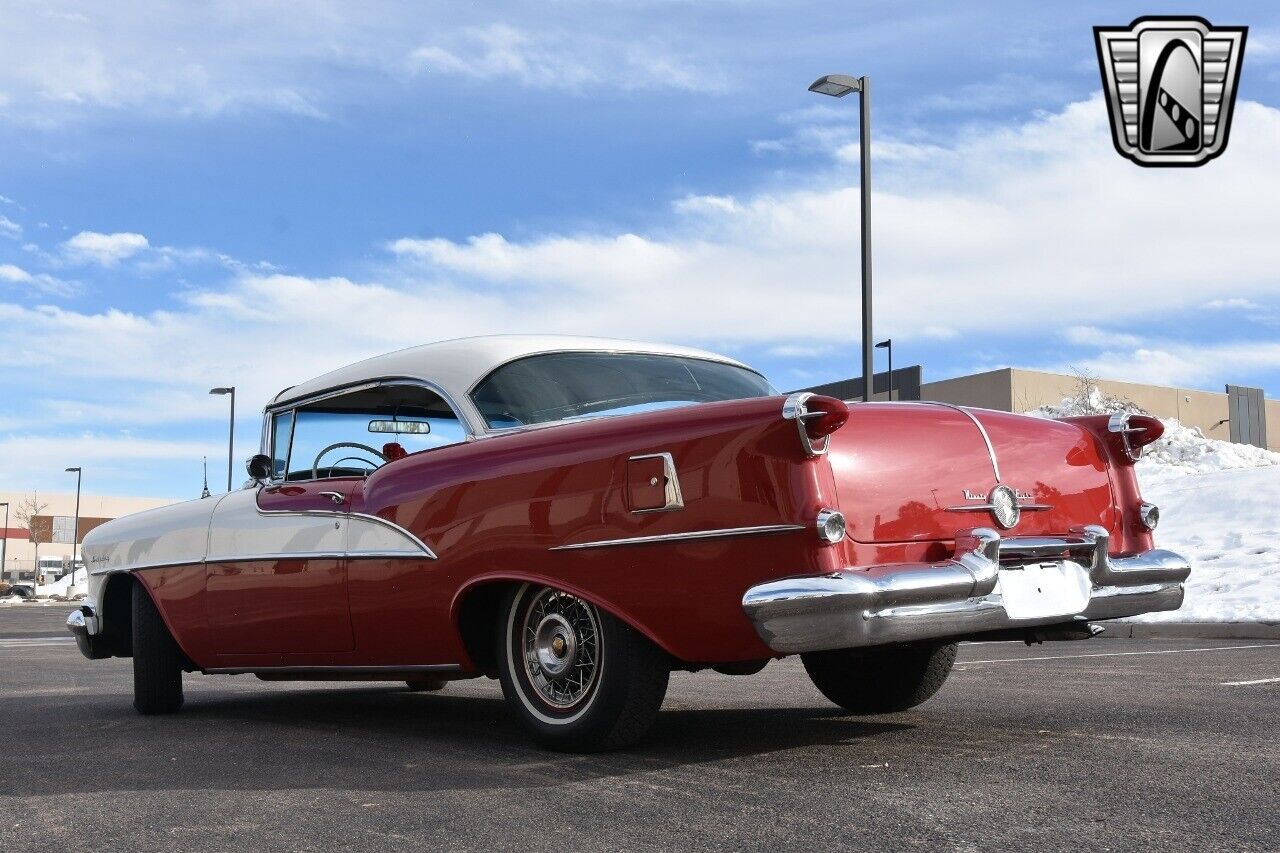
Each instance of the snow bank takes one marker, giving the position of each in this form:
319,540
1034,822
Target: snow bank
63,585
1220,506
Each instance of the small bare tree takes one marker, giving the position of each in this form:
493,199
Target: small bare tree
28,512
1087,398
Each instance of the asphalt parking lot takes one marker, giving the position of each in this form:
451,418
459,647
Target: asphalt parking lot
1123,745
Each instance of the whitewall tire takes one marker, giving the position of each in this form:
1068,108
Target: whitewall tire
579,679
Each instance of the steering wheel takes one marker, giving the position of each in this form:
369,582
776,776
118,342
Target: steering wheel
315,465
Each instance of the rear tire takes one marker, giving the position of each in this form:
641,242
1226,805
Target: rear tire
880,680
157,660
579,679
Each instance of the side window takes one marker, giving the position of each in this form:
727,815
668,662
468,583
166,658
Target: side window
281,438
354,434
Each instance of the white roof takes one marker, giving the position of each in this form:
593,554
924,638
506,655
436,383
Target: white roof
456,366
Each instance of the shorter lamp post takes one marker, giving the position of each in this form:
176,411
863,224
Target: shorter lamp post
887,343
75,533
231,432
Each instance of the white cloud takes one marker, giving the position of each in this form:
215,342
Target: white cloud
104,249
310,59
557,60
1234,302
9,228
28,458
1172,363
40,282
8,272
1093,336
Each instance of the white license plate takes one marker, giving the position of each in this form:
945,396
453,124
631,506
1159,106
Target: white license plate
1044,589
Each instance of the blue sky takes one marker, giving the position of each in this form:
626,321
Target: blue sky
251,194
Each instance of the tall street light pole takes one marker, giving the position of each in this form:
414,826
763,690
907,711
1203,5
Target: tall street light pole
839,85
887,343
231,432
75,534
4,543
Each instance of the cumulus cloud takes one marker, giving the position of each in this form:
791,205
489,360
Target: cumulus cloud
9,228
104,249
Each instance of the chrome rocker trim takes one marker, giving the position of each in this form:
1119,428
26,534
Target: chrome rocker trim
959,597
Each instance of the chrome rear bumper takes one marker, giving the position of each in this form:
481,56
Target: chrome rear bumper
964,596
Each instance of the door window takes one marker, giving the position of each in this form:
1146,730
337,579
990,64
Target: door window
354,434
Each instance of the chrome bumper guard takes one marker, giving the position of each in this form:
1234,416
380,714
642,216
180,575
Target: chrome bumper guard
83,625
964,596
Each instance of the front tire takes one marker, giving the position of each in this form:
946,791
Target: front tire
157,660
579,679
880,680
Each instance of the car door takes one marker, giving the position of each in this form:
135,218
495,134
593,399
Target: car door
276,575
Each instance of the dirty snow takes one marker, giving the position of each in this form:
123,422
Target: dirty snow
1220,506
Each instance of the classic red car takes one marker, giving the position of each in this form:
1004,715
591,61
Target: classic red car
579,517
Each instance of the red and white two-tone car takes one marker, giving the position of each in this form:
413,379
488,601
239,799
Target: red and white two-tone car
579,517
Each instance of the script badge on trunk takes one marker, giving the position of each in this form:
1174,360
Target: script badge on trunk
1170,85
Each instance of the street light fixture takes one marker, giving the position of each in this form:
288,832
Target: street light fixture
231,431
839,85
887,343
75,534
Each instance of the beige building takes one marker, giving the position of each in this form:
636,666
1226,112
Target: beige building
1015,390
20,552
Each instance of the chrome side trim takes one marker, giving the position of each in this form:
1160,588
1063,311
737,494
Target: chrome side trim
991,450
263,558
673,498
173,564
693,535
322,670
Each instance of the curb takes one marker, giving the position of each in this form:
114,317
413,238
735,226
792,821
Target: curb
1190,630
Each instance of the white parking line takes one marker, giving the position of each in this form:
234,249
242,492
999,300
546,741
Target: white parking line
1248,683
1124,654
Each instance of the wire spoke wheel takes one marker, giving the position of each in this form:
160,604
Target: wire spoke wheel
561,647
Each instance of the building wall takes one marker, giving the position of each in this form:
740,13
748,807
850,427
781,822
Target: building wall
990,390
1016,390
21,553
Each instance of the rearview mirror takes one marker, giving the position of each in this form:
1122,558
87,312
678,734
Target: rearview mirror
258,466
398,427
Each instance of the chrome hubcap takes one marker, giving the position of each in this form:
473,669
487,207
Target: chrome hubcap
561,644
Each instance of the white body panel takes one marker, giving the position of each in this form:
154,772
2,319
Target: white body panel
166,536
240,532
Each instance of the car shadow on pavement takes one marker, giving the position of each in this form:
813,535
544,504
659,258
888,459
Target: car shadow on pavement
386,739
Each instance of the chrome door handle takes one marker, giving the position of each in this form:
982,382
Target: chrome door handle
337,497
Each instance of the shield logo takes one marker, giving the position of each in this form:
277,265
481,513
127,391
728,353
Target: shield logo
1170,86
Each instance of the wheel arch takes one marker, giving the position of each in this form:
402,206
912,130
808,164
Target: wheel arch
476,608
116,613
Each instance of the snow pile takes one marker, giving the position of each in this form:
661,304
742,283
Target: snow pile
63,585
1219,506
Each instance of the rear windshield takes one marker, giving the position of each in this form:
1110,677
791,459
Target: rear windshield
570,385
